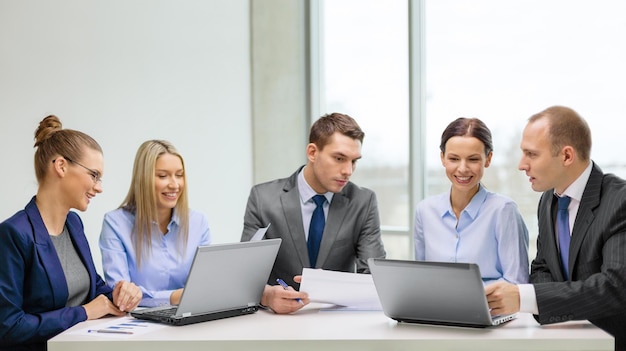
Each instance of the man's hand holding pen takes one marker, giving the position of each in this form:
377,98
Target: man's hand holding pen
284,300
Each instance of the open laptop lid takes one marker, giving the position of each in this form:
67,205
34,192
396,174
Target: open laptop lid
431,292
228,276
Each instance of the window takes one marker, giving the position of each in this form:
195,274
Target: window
364,72
503,61
500,61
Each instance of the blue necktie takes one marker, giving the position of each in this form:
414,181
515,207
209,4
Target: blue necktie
316,228
562,225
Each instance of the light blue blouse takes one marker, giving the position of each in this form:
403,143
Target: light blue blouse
490,233
165,270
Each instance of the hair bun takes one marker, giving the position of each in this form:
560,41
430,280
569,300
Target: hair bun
47,127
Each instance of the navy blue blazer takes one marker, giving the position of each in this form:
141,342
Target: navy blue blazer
33,289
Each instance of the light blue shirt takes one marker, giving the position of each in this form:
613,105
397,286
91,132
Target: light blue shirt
165,270
490,233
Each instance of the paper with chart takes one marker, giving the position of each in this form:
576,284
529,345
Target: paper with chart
352,290
116,328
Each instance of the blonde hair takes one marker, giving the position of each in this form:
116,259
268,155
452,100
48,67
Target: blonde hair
141,199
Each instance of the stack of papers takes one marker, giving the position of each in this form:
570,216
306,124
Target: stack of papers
352,291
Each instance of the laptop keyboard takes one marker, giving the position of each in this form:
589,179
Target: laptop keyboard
165,312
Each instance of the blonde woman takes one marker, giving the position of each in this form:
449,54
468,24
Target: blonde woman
152,237
48,281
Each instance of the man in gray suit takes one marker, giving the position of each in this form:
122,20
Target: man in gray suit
351,233
590,282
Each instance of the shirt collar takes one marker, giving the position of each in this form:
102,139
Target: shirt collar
476,202
576,189
175,217
472,208
305,190
174,220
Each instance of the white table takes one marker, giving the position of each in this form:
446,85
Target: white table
340,330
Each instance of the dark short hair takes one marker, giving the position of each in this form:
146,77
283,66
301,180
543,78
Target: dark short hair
472,127
327,125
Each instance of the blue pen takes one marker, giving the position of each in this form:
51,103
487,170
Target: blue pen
110,331
286,287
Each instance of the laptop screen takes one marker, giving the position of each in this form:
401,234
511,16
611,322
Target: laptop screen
226,276
431,292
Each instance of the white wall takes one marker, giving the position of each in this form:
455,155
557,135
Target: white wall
125,71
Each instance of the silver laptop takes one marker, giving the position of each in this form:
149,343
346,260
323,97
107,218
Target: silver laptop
225,280
439,293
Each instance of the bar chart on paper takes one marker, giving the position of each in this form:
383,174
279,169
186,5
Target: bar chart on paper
119,328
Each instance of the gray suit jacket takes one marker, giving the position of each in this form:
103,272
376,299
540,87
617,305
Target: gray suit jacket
351,234
597,259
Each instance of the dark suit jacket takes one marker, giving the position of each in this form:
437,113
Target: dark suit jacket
33,289
597,259
351,234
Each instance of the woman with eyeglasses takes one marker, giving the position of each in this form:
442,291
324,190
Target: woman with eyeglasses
48,281
152,237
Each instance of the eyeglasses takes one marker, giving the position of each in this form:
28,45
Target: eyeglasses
95,175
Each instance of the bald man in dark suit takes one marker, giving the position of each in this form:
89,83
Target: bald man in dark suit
590,281
351,233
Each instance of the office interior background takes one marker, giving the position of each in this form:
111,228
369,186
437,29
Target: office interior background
235,85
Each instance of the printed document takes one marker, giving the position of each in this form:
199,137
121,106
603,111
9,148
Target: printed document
353,291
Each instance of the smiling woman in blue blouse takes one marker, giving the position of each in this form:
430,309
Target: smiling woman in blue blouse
152,238
470,224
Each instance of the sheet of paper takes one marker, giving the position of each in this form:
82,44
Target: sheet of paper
260,233
351,290
116,328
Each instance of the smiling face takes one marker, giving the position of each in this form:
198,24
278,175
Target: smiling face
329,169
81,185
169,181
465,161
